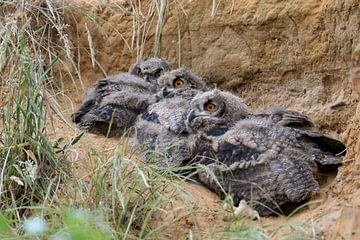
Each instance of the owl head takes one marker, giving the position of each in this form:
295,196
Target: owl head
150,69
215,108
180,82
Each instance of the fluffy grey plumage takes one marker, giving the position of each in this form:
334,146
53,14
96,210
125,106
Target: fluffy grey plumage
231,108
150,69
117,100
216,108
258,159
161,129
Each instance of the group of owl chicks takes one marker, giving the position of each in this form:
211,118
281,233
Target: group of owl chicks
271,159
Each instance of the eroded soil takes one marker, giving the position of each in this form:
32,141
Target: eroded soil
291,53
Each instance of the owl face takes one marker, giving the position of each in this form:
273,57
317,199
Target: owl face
179,82
215,109
150,69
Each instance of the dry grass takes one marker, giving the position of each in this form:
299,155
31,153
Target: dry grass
40,195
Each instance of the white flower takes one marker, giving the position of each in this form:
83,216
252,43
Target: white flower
35,226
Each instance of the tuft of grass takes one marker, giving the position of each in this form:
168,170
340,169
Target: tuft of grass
31,164
132,193
159,26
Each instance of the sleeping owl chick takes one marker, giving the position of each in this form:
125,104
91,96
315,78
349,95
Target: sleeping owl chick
161,129
117,100
263,162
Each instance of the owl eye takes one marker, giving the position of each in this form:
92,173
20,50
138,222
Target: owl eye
210,107
158,74
178,83
140,74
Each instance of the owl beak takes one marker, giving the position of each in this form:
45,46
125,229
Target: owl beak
165,92
147,78
191,115
162,93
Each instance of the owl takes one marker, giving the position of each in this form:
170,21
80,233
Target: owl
111,106
257,159
237,110
161,128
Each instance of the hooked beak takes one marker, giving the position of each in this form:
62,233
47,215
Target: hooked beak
146,78
191,115
162,93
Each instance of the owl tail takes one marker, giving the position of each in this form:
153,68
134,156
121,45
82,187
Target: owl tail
327,152
328,145
328,164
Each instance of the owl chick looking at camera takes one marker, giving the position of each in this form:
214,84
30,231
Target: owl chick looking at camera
257,157
161,129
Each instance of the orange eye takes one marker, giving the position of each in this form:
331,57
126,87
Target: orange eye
210,107
178,83
140,74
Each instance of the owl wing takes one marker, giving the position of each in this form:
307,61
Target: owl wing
250,165
320,148
288,118
169,113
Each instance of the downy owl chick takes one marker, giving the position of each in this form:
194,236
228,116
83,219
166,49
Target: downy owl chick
237,110
113,103
256,159
161,129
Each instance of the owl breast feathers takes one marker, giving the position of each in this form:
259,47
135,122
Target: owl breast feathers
161,129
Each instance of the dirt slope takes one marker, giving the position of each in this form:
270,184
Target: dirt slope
292,53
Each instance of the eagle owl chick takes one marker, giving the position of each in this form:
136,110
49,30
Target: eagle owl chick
161,129
115,102
236,110
257,159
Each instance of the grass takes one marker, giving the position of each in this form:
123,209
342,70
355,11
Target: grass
29,160
42,195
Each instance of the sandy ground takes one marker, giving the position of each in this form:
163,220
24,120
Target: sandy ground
293,54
